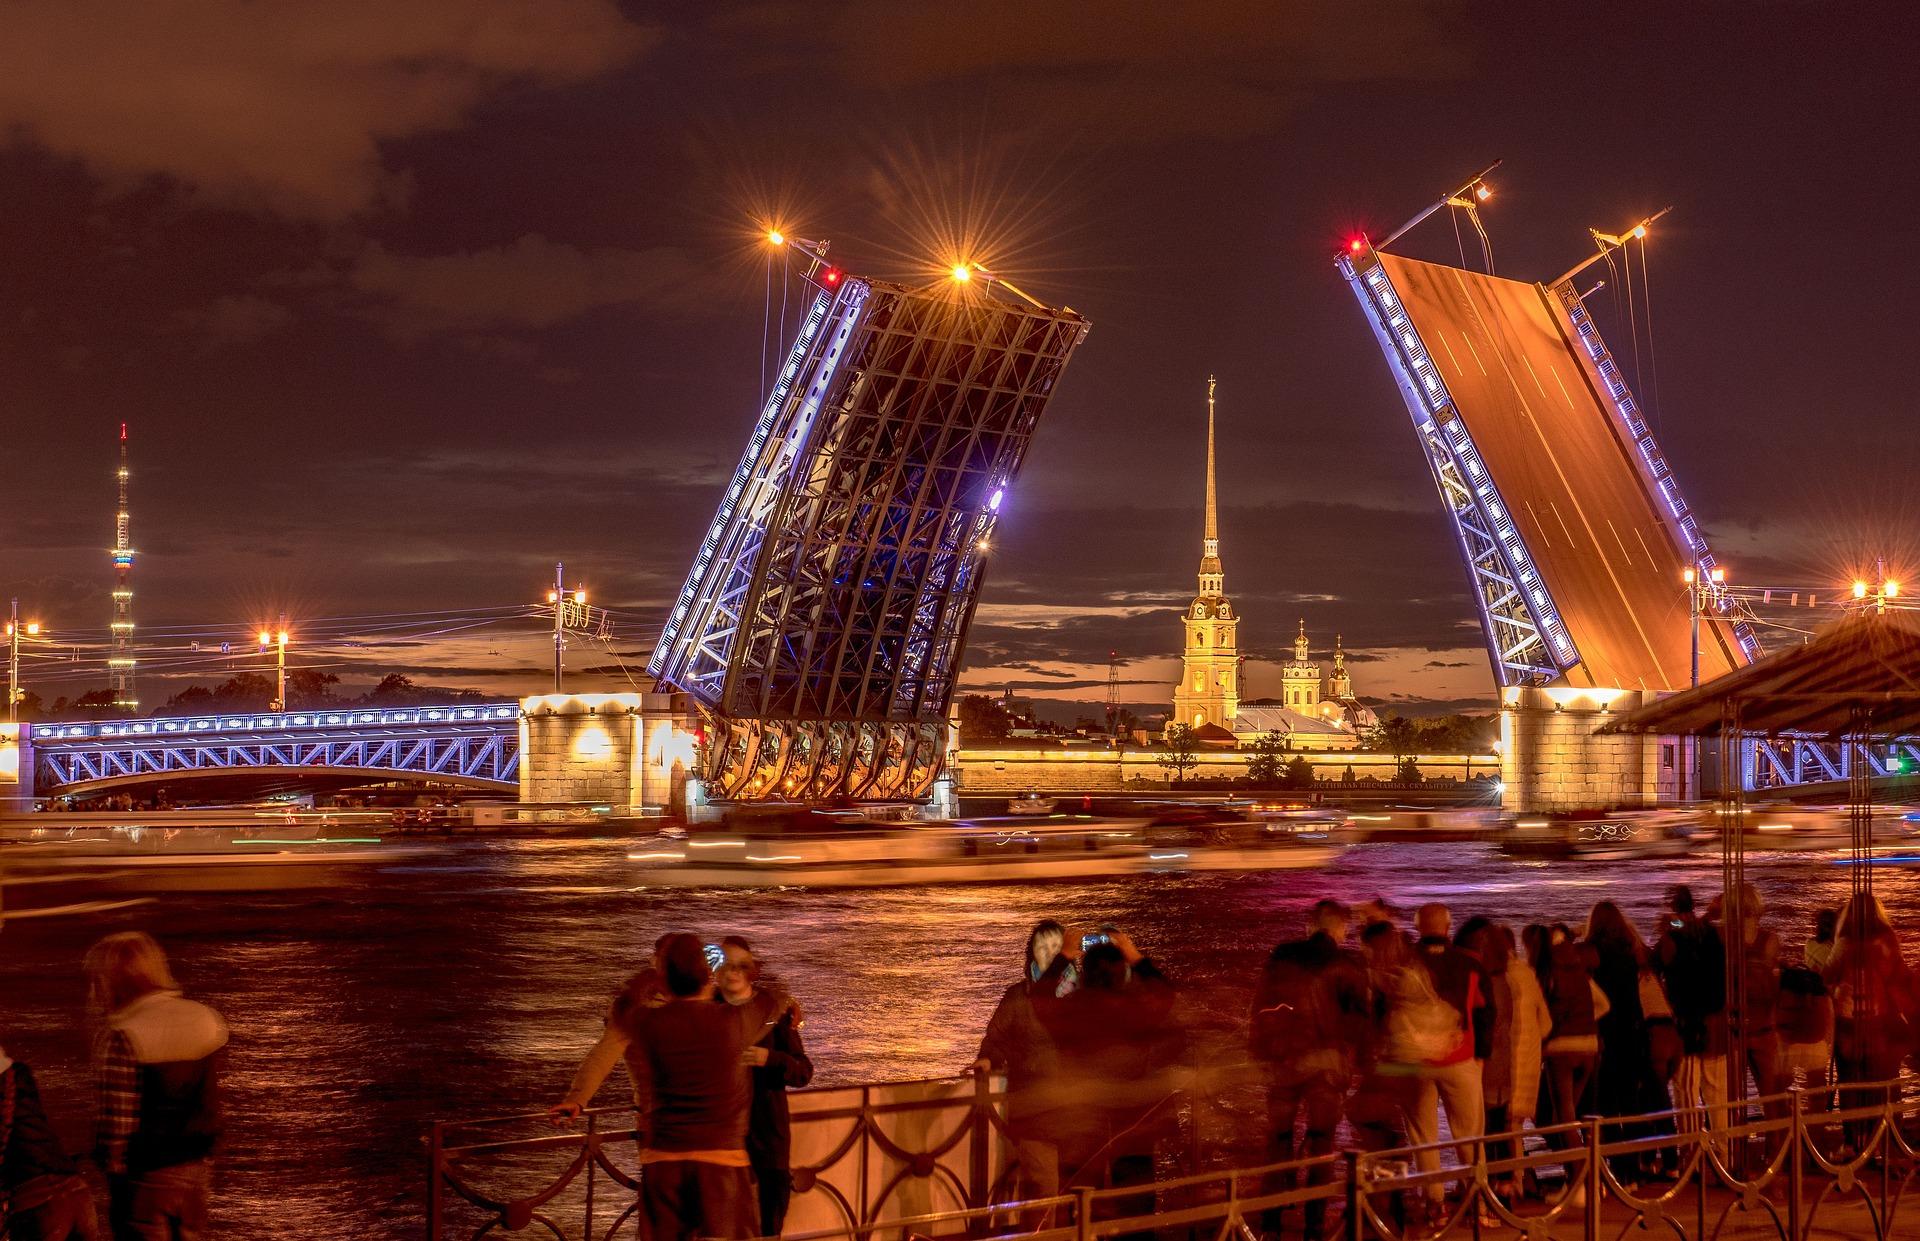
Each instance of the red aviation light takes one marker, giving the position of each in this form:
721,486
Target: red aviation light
831,277
1354,246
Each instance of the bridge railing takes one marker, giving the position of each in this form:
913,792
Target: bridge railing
275,723
1808,1162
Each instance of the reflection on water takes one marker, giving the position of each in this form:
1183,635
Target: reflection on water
468,982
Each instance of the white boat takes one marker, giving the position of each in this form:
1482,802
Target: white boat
85,861
817,851
1606,838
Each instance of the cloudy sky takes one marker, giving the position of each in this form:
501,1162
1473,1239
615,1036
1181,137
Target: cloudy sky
404,302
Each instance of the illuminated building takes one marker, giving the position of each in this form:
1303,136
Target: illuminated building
1209,690
820,627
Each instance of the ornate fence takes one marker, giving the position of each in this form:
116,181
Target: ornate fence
914,1160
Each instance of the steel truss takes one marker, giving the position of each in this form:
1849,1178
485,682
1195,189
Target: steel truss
476,745
1776,762
822,622
1526,639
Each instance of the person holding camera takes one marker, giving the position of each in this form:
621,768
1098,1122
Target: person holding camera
1018,1044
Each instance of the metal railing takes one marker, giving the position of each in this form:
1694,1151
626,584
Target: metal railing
1811,1162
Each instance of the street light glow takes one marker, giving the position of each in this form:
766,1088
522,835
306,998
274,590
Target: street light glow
776,237
553,596
1859,590
1640,230
962,272
1719,575
1891,590
579,596
1483,191
1687,575
283,637
266,639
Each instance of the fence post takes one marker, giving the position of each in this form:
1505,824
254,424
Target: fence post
1083,1212
436,1143
1351,1226
1595,1182
1796,1164
593,1127
980,1175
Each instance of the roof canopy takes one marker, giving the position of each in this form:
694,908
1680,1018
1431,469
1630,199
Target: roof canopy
1861,673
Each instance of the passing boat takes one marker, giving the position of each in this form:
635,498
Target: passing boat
812,849
94,861
1603,838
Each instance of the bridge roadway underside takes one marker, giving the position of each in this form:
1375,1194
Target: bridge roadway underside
1566,472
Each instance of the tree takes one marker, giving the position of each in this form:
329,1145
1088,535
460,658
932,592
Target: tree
1299,773
309,688
983,719
1182,751
394,690
1264,767
93,702
1408,772
1397,735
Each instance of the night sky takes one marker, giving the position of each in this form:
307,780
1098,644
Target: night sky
406,301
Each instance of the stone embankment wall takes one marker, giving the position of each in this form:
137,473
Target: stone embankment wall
1087,769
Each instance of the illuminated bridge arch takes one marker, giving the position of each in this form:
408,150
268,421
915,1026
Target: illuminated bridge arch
475,744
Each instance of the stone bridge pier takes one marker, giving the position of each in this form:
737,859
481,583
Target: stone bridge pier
634,752
1553,759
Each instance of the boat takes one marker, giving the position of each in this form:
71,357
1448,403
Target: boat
1030,802
1789,828
1603,838
815,849
89,861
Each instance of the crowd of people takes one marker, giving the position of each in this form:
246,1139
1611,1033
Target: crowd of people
1360,1025
158,1065
1554,1024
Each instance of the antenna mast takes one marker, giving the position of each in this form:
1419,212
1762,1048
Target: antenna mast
121,663
1113,693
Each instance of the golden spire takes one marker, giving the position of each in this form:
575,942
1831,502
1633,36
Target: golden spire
1210,544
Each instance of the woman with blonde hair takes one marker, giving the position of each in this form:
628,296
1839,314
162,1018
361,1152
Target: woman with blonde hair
158,1071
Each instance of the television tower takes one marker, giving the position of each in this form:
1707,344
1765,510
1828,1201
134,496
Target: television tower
120,663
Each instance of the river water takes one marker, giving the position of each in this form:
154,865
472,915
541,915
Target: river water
468,980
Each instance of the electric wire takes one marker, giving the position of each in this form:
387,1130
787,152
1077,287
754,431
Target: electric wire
1653,357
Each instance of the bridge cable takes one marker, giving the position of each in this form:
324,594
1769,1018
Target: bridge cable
1653,358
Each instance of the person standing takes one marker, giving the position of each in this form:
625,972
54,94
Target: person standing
1693,965
776,1063
1017,1044
1452,1079
694,1171
1310,1011
1755,1016
43,1197
1510,1078
158,1069
646,989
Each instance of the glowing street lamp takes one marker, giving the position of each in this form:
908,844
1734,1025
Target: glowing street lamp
962,273
14,631
277,640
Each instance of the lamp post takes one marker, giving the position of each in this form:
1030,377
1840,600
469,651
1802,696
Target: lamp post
14,630
560,599
277,639
1703,586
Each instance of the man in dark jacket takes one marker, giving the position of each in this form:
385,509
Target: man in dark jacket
43,1197
1311,1010
1692,960
1017,1044
1452,1080
776,1062
1120,1045
158,1071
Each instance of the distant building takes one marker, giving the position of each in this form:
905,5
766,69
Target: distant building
1312,712
1209,689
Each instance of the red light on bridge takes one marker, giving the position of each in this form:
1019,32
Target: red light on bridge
830,277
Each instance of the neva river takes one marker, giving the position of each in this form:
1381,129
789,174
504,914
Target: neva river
469,981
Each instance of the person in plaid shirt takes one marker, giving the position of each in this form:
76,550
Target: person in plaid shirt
158,1069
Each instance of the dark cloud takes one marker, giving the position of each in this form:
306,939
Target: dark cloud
281,106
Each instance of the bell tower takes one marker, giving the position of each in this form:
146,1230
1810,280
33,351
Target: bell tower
1300,676
1209,689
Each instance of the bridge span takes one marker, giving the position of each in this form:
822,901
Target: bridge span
472,744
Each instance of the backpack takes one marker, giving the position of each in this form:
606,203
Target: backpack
1697,976
1422,1028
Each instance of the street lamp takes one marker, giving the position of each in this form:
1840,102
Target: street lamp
277,639
14,631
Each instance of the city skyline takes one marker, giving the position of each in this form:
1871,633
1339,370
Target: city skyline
364,377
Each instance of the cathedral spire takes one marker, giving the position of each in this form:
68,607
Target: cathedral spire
1210,543
1300,648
